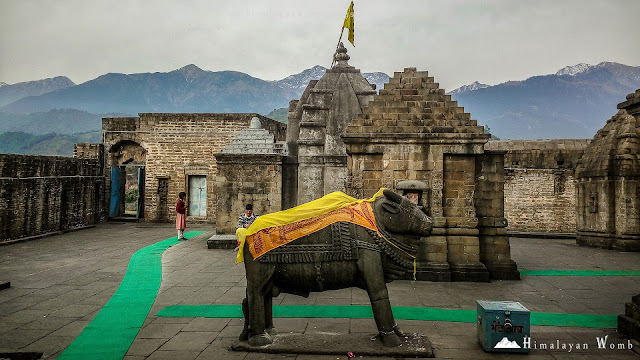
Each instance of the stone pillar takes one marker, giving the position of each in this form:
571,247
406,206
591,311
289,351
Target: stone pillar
495,251
461,222
290,165
311,146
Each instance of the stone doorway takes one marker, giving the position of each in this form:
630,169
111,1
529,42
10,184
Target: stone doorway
127,161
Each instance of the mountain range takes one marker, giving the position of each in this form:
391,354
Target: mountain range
574,102
188,89
11,93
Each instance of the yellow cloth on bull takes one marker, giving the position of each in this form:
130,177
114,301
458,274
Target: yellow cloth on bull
276,229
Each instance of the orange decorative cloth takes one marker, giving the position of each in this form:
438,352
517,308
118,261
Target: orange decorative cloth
261,242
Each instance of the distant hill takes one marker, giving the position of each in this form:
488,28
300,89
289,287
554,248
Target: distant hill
279,114
10,93
188,89
49,144
573,103
64,121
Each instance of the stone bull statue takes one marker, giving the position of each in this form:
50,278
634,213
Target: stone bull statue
338,256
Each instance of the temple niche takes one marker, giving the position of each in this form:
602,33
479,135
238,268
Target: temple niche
608,183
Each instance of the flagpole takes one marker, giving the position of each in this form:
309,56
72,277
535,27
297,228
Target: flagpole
338,45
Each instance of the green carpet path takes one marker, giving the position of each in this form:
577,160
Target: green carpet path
399,312
111,332
580,272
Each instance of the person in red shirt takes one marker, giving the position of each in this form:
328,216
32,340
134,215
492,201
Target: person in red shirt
181,218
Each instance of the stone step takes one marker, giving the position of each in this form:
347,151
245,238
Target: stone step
222,241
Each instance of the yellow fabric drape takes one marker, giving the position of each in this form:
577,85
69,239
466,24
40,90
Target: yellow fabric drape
279,228
348,23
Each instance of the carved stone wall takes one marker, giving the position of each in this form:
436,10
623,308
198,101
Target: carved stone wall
608,182
315,124
411,131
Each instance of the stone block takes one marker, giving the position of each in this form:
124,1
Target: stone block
632,310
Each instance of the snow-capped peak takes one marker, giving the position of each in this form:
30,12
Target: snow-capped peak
573,70
301,80
466,88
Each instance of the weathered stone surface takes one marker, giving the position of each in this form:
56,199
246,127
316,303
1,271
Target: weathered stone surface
315,123
222,241
338,256
249,172
413,345
539,183
173,147
629,323
608,182
43,194
412,131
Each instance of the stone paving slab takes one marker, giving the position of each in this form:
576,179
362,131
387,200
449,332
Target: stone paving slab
411,345
74,273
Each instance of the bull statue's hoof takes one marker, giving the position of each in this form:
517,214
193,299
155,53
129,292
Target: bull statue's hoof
260,340
389,339
272,332
397,330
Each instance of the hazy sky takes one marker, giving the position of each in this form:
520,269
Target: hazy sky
458,42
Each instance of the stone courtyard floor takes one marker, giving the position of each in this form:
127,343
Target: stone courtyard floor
59,284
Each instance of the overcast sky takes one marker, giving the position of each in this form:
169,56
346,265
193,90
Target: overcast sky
458,42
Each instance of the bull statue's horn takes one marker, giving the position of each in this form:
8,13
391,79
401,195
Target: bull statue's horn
392,196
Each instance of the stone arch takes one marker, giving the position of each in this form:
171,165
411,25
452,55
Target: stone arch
127,151
127,162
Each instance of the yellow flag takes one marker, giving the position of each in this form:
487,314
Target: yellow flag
348,23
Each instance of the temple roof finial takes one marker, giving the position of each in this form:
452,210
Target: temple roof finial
341,56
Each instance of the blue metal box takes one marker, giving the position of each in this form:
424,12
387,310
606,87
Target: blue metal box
503,326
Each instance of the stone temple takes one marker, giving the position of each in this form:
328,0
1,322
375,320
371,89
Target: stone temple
413,139
608,188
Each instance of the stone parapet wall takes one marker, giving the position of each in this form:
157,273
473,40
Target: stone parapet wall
540,200
43,194
540,154
540,185
88,151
